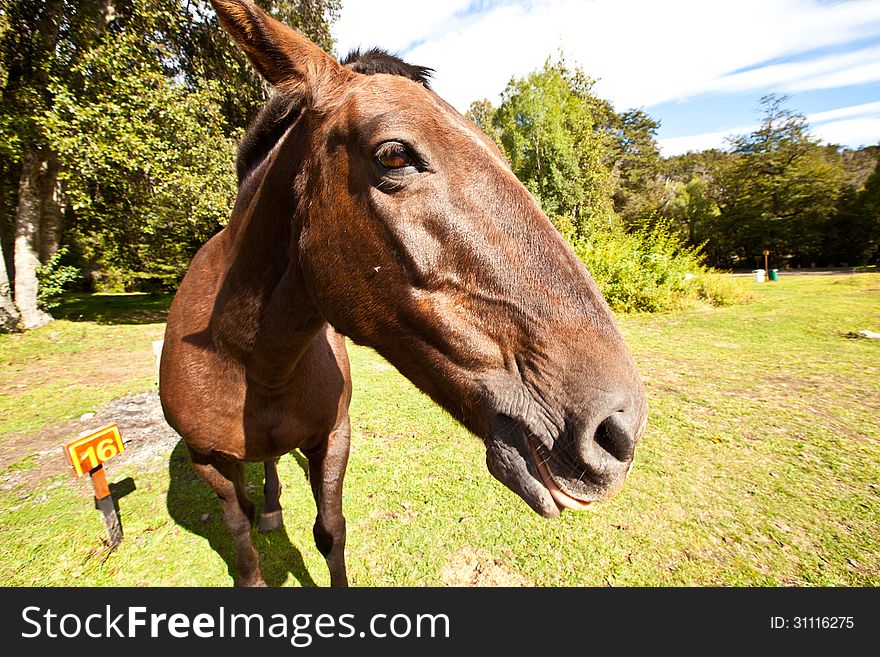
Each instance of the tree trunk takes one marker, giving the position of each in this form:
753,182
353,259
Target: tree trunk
51,208
27,241
9,317
33,165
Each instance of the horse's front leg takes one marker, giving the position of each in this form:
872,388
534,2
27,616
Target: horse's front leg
327,464
226,478
271,516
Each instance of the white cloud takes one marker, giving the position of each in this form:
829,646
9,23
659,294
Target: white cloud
844,112
701,142
644,53
854,126
681,145
471,64
835,70
864,74
863,131
393,25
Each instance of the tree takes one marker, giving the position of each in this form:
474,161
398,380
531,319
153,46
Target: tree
853,237
778,188
204,51
549,126
116,129
147,166
42,40
858,164
581,159
869,208
690,201
691,207
636,164
9,315
29,46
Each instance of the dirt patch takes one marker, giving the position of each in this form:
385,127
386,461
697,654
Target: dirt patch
114,367
778,383
146,435
473,567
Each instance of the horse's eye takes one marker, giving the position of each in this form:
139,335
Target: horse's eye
393,155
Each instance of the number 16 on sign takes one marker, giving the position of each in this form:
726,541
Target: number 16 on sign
87,455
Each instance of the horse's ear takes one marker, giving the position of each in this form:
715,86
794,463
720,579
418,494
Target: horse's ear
281,54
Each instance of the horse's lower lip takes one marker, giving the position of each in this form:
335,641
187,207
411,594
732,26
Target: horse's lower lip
563,500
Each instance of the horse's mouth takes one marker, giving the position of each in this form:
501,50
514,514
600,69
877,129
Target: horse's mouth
563,500
519,461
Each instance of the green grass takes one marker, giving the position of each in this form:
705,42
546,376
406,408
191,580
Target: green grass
760,466
98,349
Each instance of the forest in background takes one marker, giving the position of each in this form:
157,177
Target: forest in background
120,118
776,189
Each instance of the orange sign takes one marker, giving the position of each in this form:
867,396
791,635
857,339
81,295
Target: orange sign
88,452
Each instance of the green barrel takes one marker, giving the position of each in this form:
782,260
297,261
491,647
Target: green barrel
774,274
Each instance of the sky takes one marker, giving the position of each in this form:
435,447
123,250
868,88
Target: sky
700,67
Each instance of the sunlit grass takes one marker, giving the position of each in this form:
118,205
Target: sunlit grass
99,349
760,466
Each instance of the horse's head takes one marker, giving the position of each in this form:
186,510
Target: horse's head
414,237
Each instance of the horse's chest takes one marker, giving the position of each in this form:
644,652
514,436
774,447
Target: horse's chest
274,424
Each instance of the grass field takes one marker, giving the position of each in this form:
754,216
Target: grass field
99,349
760,465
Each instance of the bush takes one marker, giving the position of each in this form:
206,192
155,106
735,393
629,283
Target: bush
719,289
52,276
651,271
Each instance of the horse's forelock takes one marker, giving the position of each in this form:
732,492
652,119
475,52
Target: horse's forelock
376,60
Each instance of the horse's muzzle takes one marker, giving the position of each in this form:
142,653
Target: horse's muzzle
584,464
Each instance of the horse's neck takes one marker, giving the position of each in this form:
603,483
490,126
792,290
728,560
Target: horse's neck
263,315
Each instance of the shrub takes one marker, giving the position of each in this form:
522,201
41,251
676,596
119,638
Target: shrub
52,276
719,289
651,270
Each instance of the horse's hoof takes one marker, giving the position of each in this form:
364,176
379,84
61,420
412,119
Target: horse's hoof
270,521
257,583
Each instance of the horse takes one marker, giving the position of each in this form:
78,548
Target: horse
370,209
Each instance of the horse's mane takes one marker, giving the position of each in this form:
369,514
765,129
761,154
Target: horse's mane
281,110
376,60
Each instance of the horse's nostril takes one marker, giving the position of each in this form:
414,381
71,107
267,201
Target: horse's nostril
613,436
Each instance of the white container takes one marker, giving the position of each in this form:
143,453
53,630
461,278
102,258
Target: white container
759,275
